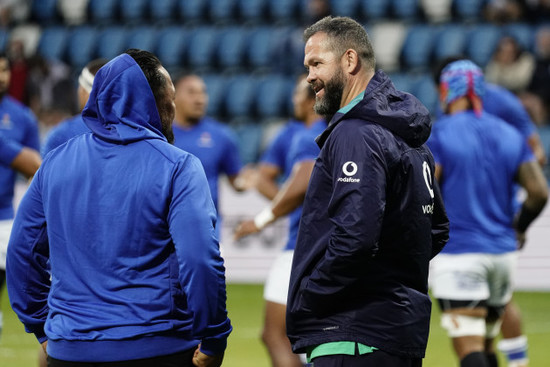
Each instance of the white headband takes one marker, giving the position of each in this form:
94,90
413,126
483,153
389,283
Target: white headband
86,80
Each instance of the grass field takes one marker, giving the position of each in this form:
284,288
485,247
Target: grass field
18,349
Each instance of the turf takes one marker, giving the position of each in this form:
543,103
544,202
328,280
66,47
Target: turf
18,349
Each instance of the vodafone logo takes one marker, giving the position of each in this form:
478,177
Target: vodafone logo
349,168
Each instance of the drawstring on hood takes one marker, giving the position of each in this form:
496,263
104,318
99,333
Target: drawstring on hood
122,108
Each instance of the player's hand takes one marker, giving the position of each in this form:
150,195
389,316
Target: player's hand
247,178
203,360
44,346
520,236
244,229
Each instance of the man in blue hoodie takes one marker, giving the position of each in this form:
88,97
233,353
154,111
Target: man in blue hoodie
136,274
372,218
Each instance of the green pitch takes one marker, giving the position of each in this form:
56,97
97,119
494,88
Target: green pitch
245,305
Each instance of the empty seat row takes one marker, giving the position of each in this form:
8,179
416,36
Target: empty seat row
200,48
205,11
425,45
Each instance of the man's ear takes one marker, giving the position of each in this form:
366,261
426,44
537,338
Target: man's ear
350,61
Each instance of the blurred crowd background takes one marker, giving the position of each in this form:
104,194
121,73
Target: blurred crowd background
250,51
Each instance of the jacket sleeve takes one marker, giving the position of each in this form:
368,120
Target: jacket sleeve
440,222
28,279
358,171
191,221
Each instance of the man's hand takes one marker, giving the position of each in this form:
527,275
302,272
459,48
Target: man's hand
244,229
520,236
203,360
44,346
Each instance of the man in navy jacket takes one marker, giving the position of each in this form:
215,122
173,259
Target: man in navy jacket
113,255
372,217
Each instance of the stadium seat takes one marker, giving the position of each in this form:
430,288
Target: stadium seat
523,33
111,42
406,10
163,10
171,46
45,12
254,11
260,48
215,87
346,8
231,46
417,48
222,11
402,81
468,10
283,11
273,96
103,11
374,9
424,89
4,38
192,11
53,43
249,134
239,97
482,42
134,11
201,48
449,41
144,38
82,46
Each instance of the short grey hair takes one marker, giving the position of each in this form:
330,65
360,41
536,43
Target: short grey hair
344,33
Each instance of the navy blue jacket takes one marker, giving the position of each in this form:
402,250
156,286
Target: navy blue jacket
372,220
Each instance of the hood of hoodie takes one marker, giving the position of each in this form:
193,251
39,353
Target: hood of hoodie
122,107
401,113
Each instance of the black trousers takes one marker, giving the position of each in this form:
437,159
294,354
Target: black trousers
378,358
182,359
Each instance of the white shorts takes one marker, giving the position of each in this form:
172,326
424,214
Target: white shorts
5,230
276,285
474,277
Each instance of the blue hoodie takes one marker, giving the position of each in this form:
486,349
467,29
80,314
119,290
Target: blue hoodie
126,222
371,221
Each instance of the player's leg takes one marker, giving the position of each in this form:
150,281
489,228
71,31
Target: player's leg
275,294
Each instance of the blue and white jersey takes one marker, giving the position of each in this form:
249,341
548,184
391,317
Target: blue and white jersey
9,149
480,157
63,132
216,147
17,123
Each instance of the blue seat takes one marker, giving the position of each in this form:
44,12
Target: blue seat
284,11
417,48
252,10
406,10
523,33
425,90
111,42
274,96
163,10
468,10
402,81
239,97
482,42
82,46
375,9
134,11
53,43
259,52
231,47
45,11
171,46
449,41
215,87
201,48
103,11
192,11
4,38
249,135
143,38
222,11
346,8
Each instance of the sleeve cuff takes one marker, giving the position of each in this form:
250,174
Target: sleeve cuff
213,347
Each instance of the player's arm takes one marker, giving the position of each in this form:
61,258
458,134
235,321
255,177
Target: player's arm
290,197
534,142
27,162
440,221
531,178
267,180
